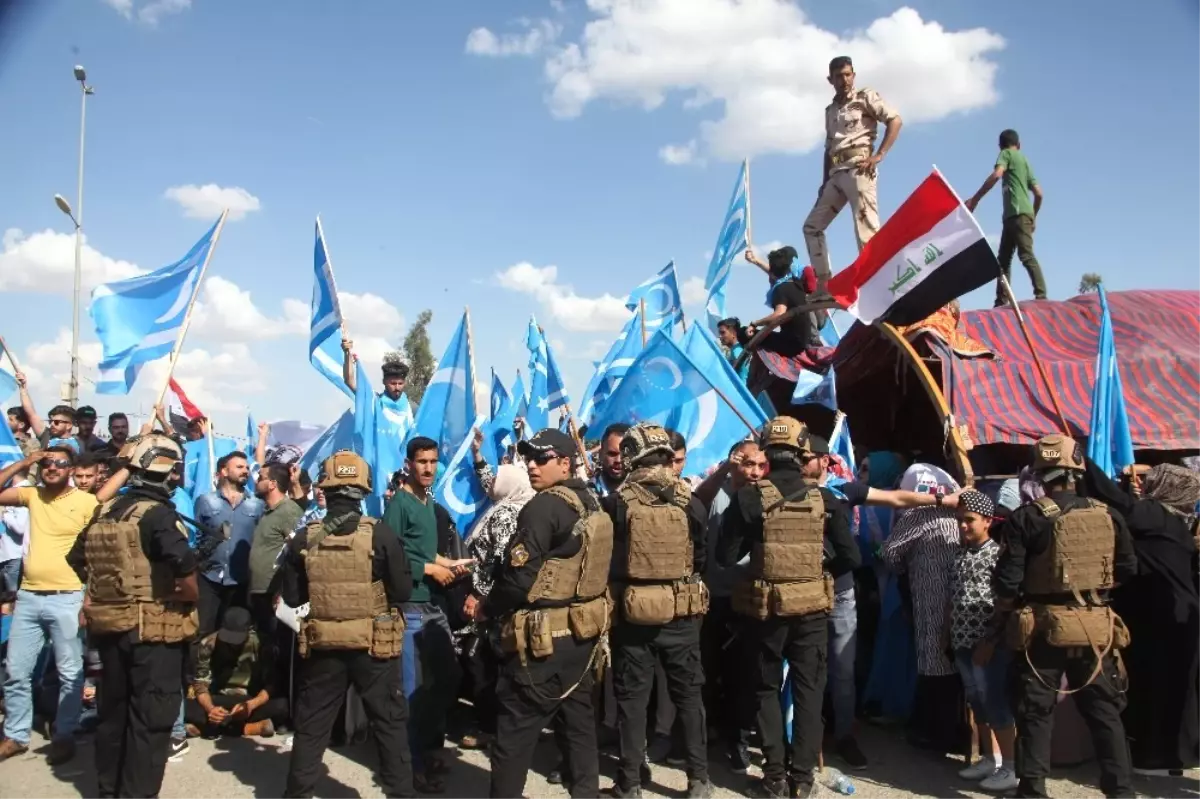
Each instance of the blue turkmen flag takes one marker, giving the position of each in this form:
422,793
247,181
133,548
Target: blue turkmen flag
547,391
816,389
325,323
251,445
706,451
10,450
458,489
8,386
199,471
666,386
731,243
612,368
138,320
840,443
831,336
338,436
448,407
1110,444
661,295
520,402
500,398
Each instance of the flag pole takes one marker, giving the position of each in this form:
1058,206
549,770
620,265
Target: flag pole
187,317
749,237
471,358
1012,299
682,318
8,352
642,311
209,433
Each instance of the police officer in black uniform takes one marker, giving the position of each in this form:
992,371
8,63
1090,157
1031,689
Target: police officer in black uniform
1062,553
787,612
334,652
550,604
140,607
659,551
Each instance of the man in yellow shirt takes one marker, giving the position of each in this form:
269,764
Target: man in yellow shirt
48,601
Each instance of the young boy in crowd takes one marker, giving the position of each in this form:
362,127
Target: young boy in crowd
981,663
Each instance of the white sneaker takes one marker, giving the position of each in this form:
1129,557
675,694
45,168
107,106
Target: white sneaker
1004,779
983,768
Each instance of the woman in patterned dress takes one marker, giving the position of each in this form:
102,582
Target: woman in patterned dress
922,545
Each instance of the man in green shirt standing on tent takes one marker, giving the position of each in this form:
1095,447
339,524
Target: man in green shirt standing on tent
1020,214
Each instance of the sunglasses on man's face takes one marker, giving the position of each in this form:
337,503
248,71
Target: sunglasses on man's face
56,463
541,459
67,422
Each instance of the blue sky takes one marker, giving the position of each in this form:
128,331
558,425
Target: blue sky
441,157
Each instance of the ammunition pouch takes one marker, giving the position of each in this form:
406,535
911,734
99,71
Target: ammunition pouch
167,623
532,632
1019,629
351,634
648,604
1097,628
760,600
387,635
691,598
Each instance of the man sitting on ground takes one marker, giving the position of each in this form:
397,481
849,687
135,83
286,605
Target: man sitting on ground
232,684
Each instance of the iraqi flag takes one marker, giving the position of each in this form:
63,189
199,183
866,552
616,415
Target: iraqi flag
180,409
928,253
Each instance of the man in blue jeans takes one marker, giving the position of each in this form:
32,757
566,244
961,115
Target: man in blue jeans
48,602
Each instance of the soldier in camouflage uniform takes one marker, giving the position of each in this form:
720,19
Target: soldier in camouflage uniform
232,683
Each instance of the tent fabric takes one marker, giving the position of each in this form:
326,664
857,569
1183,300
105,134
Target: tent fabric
1003,400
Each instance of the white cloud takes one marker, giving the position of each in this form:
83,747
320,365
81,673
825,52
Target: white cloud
122,7
45,262
227,312
368,315
536,36
763,250
762,64
692,291
209,200
149,13
678,154
573,312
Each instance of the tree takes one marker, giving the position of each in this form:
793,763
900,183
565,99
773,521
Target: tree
1089,282
419,356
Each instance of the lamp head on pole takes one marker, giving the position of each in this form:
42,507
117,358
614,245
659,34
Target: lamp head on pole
80,73
65,207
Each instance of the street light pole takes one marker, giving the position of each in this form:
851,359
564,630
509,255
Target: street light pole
77,218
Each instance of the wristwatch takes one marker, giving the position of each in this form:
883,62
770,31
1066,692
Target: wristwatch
937,500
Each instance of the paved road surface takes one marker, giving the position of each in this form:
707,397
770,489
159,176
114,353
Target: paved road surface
256,768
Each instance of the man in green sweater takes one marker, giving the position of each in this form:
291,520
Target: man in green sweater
430,667
1020,215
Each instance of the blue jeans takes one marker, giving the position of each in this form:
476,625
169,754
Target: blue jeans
430,670
36,617
179,731
843,646
10,574
986,686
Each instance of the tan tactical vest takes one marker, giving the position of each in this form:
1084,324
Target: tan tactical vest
792,548
660,541
125,590
1079,556
347,609
583,576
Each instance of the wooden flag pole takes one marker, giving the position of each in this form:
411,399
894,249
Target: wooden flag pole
642,311
187,317
8,352
749,237
1012,299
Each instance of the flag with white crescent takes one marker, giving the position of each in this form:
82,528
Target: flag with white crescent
929,252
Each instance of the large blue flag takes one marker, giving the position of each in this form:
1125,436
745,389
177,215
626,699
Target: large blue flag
10,450
498,430
612,368
731,243
666,386
500,398
448,407
458,490
547,391
199,469
1110,444
520,403
325,324
8,386
138,320
840,443
338,436
661,296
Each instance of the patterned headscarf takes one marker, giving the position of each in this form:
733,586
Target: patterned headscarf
977,502
1176,487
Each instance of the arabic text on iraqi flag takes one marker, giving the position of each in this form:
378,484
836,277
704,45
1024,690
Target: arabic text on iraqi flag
928,253
138,319
325,325
1110,444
